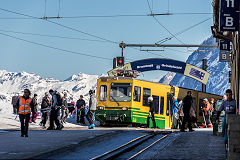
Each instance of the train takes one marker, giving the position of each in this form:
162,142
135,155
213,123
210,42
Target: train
124,100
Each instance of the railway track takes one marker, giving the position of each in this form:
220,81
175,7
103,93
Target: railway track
129,146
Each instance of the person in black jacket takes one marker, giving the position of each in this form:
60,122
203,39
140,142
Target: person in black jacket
45,108
34,110
80,110
187,104
151,112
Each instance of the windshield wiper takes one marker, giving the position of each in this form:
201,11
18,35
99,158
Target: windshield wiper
115,100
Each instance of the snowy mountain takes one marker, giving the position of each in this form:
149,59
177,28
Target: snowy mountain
13,83
218,80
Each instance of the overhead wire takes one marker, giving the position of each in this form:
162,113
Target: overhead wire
59,7
185,30
64,26
162,24
55,48
52,36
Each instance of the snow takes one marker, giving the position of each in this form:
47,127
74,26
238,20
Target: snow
13,83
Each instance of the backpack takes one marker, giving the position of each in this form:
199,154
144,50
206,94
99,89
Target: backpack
59,99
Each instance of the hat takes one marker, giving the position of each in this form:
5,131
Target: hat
205,99
212,99
91,91
150,98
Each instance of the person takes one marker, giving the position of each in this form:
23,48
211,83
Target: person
187,104
80,110
65,110
207,113
45,106
92,108
14,104
174,113
151,112
24,105
71,108
230,107
34,110
55,108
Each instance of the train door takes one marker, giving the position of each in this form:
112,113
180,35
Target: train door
168,110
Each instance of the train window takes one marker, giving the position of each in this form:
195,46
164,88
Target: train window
121,92
146,94
156,103
103,93
137,94
162,105
169,103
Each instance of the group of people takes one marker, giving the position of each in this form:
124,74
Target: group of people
185,112
53,107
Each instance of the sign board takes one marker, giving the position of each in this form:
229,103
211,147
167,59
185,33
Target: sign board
225,45
229,15
229,5
224,56
229,21
165,65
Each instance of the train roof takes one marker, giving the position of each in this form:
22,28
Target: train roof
130,78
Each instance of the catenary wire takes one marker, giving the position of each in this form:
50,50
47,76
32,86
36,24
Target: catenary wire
52,36
60,49
185,30
162,24
64,26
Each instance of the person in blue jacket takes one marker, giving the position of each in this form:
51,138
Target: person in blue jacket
174,112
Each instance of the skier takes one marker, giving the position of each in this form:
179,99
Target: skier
80,110
24,105
34,110
65,110
45,108
55,108
207,113
92,108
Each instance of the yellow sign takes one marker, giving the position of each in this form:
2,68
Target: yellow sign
126,67
196,73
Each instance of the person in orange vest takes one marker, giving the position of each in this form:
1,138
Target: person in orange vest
25,105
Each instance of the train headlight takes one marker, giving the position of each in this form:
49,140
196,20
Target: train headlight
124,108
100,108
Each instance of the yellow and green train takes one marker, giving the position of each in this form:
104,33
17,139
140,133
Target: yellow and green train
123,100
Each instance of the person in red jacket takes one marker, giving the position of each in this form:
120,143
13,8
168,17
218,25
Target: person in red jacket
207,112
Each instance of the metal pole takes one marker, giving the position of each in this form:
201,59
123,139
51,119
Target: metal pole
204,67
123,45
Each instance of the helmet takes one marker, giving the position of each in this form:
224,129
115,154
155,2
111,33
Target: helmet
150,98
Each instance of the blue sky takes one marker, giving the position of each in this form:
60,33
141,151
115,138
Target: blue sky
17,55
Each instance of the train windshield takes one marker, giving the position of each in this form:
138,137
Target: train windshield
121,92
